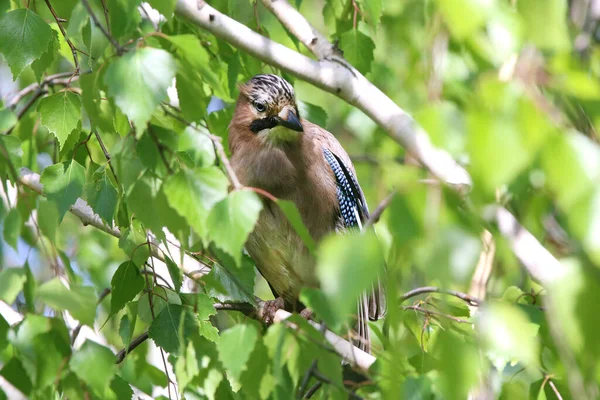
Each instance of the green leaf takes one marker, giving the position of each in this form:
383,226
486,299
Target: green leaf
293,215
12,145
315,300
192,97
138,81
4,327
458,367
373,9
8,119
186,367
61,114
454,12
231,221
11,284
540,14
312,113
128,322
235,346
165,7
158,303
508,335
63,184
29,288
124,16
24,37
358,49
193,193
198,147
80,301
121,389
95,365
148,201
102,195
13,222
40,65
16,375
47,214
195,58
174,325
346,266
126,283
175,273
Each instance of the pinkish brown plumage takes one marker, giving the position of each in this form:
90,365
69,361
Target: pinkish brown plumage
276,151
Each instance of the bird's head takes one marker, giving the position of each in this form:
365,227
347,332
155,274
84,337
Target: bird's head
267,108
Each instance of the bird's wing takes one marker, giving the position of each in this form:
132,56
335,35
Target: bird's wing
353,214
353,207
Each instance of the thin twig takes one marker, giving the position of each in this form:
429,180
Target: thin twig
106,33
161,149
471,300
39,93
218,145
554,389
306,379
48,81
430,312
62,30
134,343
106,155
376,214
105,9
313,390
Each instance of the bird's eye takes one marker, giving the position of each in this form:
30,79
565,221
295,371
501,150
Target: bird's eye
260,107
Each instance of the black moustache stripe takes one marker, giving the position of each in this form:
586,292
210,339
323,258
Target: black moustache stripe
265,123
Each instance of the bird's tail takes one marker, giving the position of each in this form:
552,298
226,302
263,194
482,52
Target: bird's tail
362,338
376,301
371,306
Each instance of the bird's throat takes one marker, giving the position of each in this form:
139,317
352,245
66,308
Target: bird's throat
278,135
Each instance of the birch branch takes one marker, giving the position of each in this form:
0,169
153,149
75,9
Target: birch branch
190,267
332,74
335,75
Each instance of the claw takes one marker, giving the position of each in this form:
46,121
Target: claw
307,314
270,308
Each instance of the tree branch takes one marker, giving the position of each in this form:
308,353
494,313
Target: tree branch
473,301
84,212
332,74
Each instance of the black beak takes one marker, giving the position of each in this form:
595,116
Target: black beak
292,122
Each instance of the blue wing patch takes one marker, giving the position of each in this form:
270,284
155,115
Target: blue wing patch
353,208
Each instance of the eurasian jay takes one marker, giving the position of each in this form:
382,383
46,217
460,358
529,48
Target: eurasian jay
274,149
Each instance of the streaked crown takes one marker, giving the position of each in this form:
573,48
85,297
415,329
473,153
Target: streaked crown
271,90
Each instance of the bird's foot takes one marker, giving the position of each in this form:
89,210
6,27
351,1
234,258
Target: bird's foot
270,308
307,314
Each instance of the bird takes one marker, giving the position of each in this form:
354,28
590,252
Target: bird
274,149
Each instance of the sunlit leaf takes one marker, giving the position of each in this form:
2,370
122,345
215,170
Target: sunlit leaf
235,346
172,328
138,81
63,184
126,283
11,284
80,301
95,365
24,37
232,219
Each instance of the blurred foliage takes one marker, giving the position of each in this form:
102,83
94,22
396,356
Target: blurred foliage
510,88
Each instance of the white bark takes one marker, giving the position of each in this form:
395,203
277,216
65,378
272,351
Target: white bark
335,75
191,267
330,73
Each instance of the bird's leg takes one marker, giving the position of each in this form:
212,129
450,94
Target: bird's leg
307,314
270,308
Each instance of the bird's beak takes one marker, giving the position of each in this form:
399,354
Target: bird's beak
290,121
